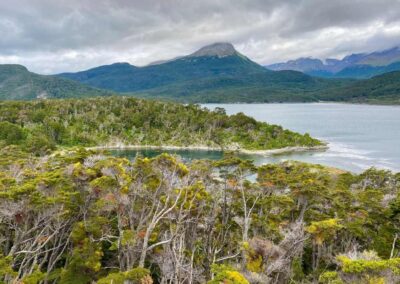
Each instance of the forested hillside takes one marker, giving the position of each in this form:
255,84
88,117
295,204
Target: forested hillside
83,217
382,89
41,126
17,83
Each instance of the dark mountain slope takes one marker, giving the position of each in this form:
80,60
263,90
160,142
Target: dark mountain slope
16,82
383,89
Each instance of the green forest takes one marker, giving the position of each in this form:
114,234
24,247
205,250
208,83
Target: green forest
41,126
82,216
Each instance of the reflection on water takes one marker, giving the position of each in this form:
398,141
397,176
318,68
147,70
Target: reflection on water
189,155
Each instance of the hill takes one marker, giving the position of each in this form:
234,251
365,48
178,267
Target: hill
361,65
37,126
382,89
16,82
206,75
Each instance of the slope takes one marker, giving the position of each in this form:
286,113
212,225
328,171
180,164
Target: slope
16,82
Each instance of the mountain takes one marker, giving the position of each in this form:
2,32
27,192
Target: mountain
381,58
361,65
214,60
301,65
217,49
215,73
207,75
16,82
381,89
367,71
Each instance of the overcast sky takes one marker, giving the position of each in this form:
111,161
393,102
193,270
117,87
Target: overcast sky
50,36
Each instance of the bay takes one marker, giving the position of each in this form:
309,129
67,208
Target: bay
358,136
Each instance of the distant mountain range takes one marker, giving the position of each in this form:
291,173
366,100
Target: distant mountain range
362,65
217,60
216,73
17,83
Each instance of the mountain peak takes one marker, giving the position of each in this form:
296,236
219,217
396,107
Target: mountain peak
13,67
219,49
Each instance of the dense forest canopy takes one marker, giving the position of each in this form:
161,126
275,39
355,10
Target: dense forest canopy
40,126
80,216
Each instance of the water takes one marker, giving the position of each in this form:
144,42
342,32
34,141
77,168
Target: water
359,136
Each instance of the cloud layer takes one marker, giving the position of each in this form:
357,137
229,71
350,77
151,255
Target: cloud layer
54,36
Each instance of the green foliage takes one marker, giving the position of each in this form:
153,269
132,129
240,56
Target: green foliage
39,144
360,266
113,278
330,277
11,133
297,270
134,276
86,256
367,268
137,274
84,263
227,275
35,277
5,267
323,230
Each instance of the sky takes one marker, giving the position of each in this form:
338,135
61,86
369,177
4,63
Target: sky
52,36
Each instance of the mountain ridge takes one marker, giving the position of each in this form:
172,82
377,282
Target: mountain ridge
214,74
373,63
206,62
206,72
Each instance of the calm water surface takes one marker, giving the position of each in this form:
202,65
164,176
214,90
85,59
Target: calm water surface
359,136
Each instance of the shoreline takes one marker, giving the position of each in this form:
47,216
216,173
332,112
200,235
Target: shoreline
269,152
316,102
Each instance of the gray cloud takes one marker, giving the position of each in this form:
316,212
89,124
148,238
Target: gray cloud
53,36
